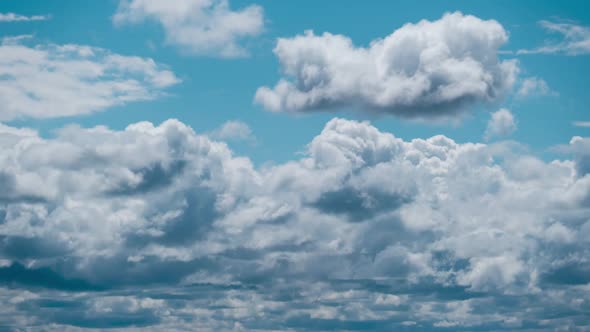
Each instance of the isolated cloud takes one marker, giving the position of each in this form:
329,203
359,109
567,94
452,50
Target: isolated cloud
234,130
12,17
198,27
534,86
501,124
583,124
49,80
425,70
366,231
575,39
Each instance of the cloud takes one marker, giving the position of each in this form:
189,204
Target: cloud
12,17
575,39
501,124
583,124
234,130
197,27
83,79
365,231
424,70
534,86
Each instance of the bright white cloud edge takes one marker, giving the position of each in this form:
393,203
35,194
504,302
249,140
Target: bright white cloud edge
50,80
197,27
429,69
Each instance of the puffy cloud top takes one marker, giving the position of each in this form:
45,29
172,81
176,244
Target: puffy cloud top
366,228
200,27
428,69
501,123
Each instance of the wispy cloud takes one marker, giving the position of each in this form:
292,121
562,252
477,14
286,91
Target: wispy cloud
575,39
585,124
12,17
82,79
234,130
534,86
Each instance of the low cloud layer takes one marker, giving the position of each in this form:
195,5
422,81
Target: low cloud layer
49,80
197,27
364,232
425,70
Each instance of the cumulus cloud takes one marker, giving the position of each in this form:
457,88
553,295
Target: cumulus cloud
501,124
575,39
424,70
534,86
364,231
12,17
234,130
197,27
49,80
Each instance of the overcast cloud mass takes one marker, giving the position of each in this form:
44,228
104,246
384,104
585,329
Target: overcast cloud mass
110,223
365,230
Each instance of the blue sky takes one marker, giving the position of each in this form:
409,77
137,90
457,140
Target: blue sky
216,90
294,165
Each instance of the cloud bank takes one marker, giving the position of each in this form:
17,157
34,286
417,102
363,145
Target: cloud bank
364,232
197,27
49,80
425,70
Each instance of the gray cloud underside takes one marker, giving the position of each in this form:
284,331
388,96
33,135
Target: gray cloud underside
156,227
430,69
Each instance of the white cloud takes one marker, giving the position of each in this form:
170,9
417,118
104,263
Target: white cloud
576,39
584,124
429,69
534,86
234,130
198,27
501,124
49,80
12,17
366,227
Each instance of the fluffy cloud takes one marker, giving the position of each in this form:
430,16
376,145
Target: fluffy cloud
234,130
576,39
82,79
534,86
366,231
428,69
198,27
501,123
12,17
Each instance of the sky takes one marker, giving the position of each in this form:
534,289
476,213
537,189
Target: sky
225,165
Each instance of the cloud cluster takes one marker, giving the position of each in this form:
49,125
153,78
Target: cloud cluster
198,27
12,17
425,70
364,232
575,39
49,80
